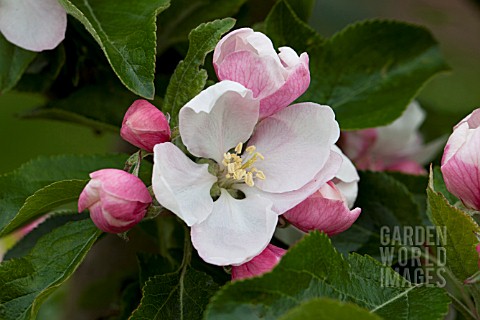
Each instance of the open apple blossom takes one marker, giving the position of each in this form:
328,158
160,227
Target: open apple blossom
288,155
35,25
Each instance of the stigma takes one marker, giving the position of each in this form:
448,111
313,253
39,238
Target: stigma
243,169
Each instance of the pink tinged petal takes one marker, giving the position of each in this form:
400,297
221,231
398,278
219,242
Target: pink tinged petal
296,144
296,84
461,171
262,75
144,125
473,120
181,185
326,210
35,25
235,231
287,200
244,39
259,265
90,195
218,119
346,179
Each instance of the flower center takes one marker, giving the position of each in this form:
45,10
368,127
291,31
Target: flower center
243,169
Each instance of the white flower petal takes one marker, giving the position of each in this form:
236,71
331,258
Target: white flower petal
35,25
180,185
236,231
287,200
218,119
347,179
296,144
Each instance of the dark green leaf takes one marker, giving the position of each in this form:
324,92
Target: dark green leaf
459,239
181,295
28,281
302,8
185,15
385,202
313,269
24,245
28,188
126,32
328,309
13,62
370,71
189,79
285,28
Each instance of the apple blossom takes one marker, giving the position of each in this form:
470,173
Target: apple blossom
328,209
10,240
287,157
117,200
35,25
144,125
461,161
249,58
395,147
262,263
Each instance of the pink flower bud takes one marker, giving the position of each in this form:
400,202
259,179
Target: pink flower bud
144,126
249,58
461,161
262,263
326,210
117,200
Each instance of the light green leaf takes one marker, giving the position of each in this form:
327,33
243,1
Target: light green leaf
28,281
368,72
189,79
180,295
459,239
44,200
185,15
313,269
328,309
30,190
126,32
13,62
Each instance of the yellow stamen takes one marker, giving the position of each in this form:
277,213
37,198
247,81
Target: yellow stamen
238,148
240,170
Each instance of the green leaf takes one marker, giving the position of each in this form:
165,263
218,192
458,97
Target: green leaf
459,239
44,200
13,62
189,79
185,15
127,35
328,309
180,295
368,72
313,269
25,245
302,8
285,28
385,202
28,281
36,186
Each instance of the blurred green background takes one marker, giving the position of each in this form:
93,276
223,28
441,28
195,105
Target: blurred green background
447,98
